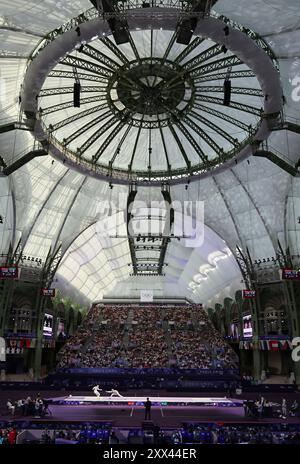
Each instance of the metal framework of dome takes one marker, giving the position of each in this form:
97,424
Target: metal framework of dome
151,114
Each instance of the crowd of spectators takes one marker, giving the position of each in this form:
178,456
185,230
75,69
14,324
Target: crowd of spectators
147,346
70,354
181,318
105,349
8,436
154,336
238,434
115,315
209,434
147,349
201,347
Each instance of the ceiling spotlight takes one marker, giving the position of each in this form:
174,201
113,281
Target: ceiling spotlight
78,31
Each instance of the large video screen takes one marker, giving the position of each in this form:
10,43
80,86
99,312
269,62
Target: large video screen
48,292
248,294
10,272
48,325
247,326
290,274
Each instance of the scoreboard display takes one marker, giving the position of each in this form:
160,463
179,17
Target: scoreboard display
248,294
9,272
291,274
247,326
48,292
48,325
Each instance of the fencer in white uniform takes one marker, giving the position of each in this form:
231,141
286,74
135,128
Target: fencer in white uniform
97,390
114,392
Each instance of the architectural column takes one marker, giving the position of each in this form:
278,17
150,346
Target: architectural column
292,293
256,362
40,303
6,293
239,303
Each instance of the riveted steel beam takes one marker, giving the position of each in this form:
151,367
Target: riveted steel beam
69,104
236,105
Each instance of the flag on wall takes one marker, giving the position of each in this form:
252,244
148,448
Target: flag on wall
275,345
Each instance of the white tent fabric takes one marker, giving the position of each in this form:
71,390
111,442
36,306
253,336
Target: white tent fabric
251,204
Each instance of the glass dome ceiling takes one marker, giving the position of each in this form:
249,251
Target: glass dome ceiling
160,109
151,109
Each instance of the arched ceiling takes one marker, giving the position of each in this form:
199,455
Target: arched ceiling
252,203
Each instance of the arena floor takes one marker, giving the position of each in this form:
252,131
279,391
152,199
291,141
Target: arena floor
124,415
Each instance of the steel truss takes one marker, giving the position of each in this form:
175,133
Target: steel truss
80,63
114,49
65,90
225,117
222,76
110,138
86,127
69,104
217,129
102,68
81,76
204,136
78,116
194,44
234,90
91,52
233,104
223,63
98,134
207,54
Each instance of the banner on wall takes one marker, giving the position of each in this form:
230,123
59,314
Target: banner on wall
275,345
268,345
17,346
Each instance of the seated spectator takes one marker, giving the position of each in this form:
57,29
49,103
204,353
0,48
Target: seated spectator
11,407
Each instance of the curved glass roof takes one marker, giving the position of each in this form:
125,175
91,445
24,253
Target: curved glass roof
160,108
253,203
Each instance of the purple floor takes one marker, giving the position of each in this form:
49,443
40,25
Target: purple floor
126,416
